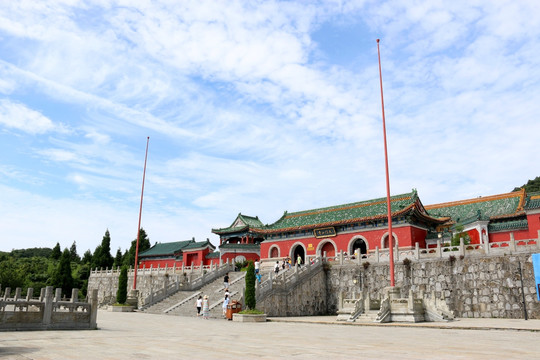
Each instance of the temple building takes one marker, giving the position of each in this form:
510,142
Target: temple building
360,228
178,253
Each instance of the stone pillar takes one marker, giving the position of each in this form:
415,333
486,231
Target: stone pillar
48,306
461,247
7,294
417,251
410,300
42,295
74,295
512,242
17,294
93,309
29,294
58,294
438,251
377,254
340,257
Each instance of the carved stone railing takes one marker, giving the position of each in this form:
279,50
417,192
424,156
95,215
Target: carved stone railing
48,312
288,278
188,283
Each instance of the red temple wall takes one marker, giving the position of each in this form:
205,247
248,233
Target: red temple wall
407,236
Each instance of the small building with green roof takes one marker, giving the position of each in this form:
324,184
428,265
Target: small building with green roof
178,253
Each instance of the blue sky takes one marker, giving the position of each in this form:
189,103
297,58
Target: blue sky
254,107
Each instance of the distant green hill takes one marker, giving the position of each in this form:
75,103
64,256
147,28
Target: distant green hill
27,253
530,186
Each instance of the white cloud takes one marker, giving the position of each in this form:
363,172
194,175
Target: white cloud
18,116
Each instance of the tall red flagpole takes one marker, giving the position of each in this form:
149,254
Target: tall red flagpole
140,214
388,206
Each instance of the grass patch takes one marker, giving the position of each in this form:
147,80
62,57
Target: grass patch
251,312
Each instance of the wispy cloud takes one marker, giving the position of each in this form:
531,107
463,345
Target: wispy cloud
246,110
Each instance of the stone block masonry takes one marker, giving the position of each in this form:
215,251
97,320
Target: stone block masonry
473,287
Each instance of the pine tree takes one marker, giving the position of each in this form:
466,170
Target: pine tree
118,258
73,251
87,257
121,293
102,255
56,252
62,277
251,301
144,244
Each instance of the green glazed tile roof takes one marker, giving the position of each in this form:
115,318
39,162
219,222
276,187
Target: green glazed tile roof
213,255
166,248
341,214
490,207
533,201
246,247
198,245
242,222
509,225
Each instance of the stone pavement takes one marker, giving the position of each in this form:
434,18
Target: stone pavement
150,336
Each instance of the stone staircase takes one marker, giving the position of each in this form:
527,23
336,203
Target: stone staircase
182,303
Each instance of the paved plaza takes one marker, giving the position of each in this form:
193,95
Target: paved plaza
147,336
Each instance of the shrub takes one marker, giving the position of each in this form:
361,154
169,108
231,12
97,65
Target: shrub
121,293
251,301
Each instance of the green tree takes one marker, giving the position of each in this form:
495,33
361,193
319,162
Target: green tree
121,293
56,252
10,276
62,277
458,234
33,252
251,300
531,185
144,244
87,257
73,252
118,259
102,255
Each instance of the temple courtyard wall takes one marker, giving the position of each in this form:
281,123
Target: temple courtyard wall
473,287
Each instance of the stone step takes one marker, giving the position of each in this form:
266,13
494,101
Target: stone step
183,302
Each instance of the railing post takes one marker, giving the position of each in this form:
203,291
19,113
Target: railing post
438,252
461,247
377,254
417,251
93,309
48,306
17,294
58,294
29,294
7,293
340,257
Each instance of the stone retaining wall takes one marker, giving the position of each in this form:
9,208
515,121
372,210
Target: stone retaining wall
304,298
488,286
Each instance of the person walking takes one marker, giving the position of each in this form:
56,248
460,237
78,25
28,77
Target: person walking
299,261
226,281
257,265
205,307
276,267
225,303
198,305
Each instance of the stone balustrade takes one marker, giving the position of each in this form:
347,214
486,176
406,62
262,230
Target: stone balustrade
48,312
